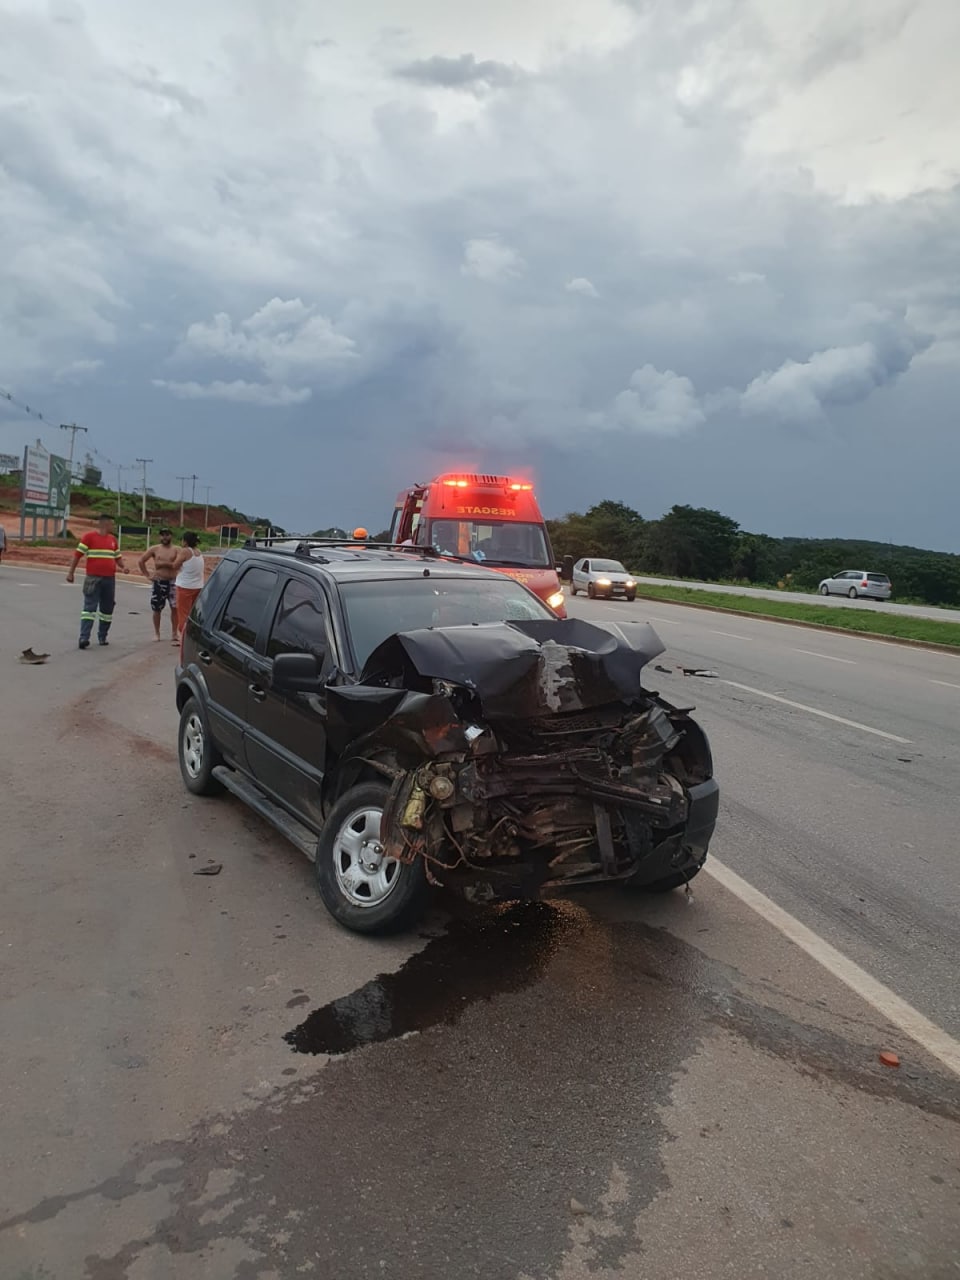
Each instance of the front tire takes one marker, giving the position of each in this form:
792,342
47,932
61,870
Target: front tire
361,889
824,590
573,589
631,596
591,591
196,751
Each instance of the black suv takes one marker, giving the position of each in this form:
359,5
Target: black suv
410,721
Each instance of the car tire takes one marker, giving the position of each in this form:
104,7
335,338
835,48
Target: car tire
631,596
591,591
573,589
196,751
852,593
387,900
824,590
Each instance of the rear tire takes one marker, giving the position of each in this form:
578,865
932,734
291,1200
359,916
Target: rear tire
852,593
196,751
363,891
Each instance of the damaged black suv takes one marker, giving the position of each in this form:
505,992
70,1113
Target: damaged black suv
409,721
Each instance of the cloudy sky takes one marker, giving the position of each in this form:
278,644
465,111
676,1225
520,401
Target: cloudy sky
695,251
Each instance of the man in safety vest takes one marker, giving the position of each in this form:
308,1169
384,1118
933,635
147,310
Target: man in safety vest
100,581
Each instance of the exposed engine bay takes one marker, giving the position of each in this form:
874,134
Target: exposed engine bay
526,758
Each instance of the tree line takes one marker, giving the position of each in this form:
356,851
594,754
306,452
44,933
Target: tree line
705,545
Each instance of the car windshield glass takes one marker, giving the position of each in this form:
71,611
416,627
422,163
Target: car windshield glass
607,566
496,542
376,610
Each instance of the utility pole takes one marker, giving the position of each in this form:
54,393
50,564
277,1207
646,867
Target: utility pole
206,513
120,471
143,508
73,429
183,480
193,492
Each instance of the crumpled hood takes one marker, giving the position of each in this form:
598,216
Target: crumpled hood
526,669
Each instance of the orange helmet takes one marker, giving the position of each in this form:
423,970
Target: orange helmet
360,532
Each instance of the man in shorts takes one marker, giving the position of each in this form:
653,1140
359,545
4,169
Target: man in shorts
164,557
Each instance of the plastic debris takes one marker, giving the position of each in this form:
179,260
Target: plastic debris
33,659
666,670
577,1207
211,869
700,671
889,1058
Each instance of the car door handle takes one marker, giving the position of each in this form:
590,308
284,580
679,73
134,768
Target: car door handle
205,657
258,692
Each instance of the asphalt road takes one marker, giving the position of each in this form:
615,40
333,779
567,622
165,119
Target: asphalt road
840,602
613,1087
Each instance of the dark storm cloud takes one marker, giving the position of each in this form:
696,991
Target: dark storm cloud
464,72
373,281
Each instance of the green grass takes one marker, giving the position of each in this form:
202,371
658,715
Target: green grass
839,619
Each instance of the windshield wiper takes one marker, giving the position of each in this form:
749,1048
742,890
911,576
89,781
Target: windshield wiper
511,564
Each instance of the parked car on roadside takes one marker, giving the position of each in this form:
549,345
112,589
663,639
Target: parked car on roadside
602,578
409,721
857,582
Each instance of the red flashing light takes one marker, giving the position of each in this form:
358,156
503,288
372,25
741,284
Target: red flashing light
456,484
521,487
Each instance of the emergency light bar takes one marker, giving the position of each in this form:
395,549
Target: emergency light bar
461,482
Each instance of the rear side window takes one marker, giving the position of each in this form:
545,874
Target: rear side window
300,623
214,588
247,605
877,577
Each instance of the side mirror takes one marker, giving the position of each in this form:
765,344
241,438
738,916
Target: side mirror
296,673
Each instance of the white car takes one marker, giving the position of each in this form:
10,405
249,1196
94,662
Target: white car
602,578
856,583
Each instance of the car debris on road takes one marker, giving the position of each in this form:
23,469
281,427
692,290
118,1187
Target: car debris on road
33,659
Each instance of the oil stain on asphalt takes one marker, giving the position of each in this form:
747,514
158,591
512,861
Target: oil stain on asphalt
479,957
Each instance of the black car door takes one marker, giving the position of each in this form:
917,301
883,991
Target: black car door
226,652
286,733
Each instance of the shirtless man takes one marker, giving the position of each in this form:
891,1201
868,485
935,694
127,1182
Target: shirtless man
164,557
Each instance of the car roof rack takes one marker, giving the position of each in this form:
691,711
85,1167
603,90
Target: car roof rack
306,545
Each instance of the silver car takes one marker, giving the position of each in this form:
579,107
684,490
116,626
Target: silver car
856,583
602,578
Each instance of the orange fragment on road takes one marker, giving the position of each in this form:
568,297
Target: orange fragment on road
889,1059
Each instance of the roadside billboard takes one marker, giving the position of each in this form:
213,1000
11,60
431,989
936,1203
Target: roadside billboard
46,483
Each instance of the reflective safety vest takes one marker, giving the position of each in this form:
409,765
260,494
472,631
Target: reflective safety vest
101,550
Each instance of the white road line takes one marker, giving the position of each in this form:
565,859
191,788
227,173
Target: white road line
669,622
815,711
829,656
730,635
887,1003
946,684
